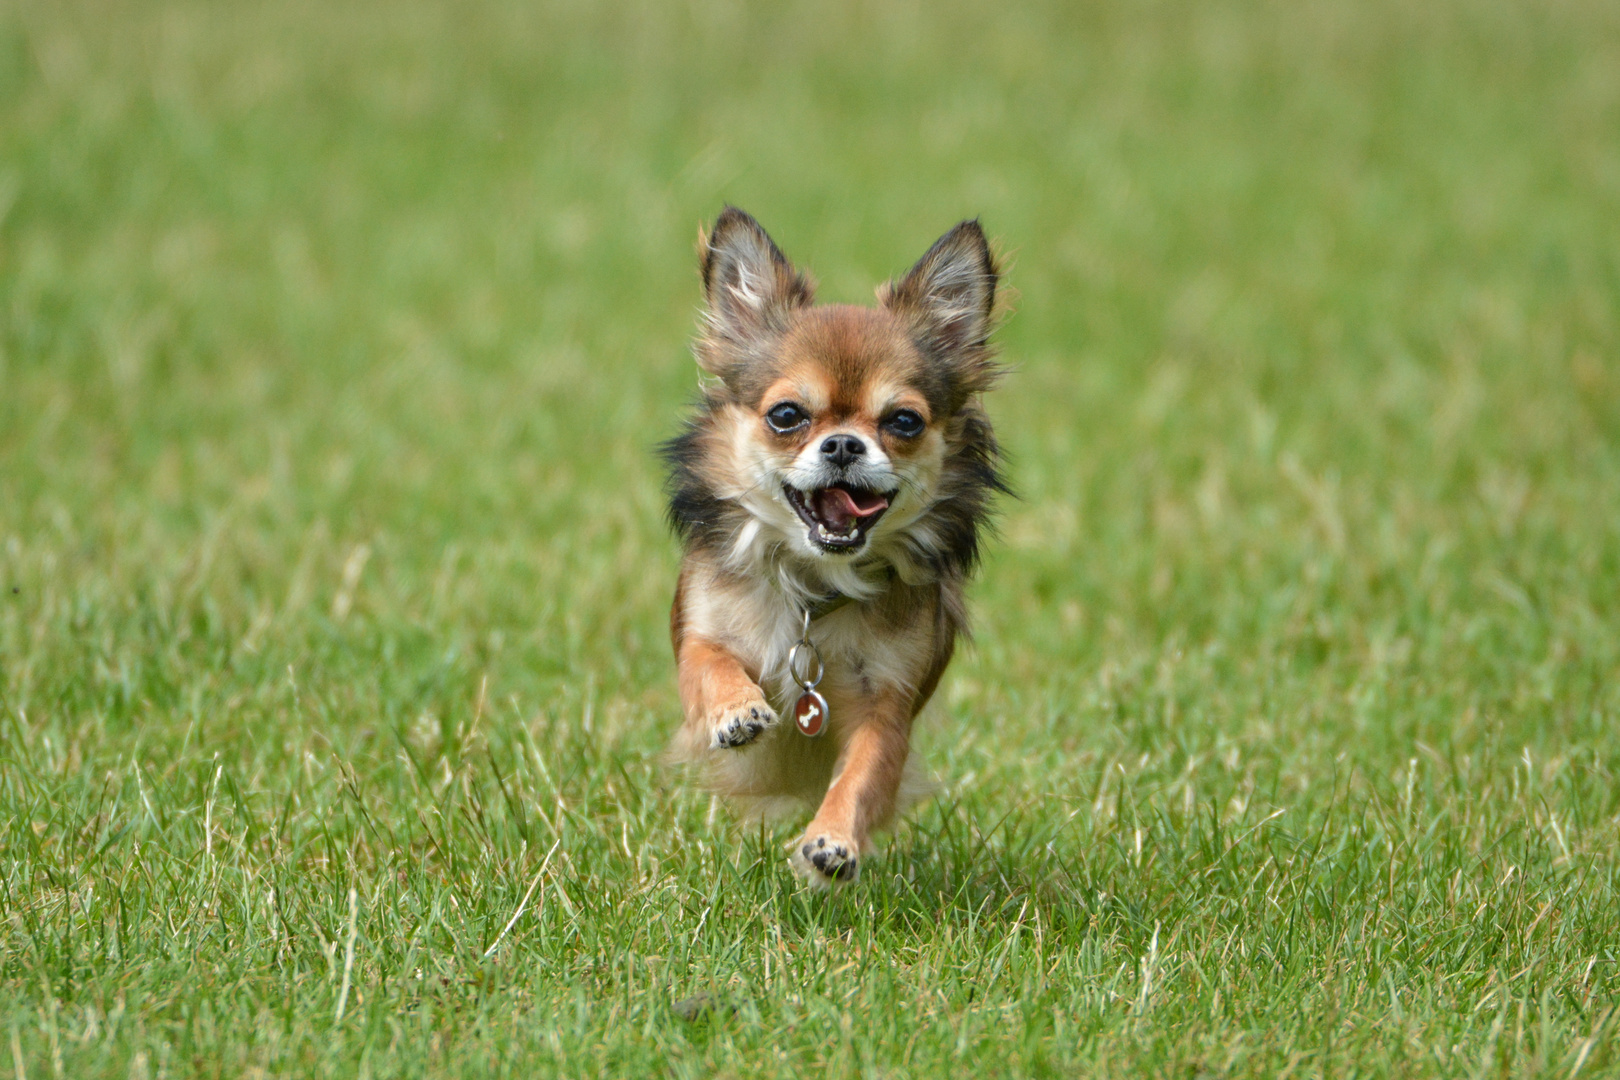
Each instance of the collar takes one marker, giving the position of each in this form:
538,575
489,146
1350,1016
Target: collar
826,605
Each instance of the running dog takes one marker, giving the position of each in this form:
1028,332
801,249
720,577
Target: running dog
830,491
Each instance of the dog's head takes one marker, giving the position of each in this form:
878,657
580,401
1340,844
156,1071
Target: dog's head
837,432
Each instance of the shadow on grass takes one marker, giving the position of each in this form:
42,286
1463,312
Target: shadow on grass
954,865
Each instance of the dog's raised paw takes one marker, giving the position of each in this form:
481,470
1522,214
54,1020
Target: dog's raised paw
826,861
743,724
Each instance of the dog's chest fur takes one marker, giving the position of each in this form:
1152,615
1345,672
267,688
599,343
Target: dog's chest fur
882,643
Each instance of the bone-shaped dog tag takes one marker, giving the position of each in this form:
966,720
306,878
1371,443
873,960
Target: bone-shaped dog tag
810,714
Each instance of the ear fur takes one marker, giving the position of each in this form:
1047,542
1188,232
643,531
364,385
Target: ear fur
750,287
949,300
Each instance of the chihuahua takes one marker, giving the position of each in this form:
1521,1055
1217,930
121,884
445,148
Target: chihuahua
830,492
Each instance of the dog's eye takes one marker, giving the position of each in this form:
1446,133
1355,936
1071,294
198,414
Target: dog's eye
785,417
906,424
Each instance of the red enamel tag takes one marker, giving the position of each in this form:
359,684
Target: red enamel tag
810,714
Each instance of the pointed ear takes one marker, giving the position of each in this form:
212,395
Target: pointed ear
948,298
750,286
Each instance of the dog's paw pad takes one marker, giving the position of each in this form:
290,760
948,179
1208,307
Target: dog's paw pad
827,861
741,726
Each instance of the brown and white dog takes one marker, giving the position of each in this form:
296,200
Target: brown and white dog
840,464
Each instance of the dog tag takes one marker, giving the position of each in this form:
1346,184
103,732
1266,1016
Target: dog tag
810,711
810,714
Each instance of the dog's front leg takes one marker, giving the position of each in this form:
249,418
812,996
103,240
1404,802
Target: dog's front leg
864,791
724,707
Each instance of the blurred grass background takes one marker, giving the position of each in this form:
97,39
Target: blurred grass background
334,341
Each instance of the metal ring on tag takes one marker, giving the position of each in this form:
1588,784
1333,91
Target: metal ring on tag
814,656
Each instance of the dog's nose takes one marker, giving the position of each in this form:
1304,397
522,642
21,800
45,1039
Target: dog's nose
842,449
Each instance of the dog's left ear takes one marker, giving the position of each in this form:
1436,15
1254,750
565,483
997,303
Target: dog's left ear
949,298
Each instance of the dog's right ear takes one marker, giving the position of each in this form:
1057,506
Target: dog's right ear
751,290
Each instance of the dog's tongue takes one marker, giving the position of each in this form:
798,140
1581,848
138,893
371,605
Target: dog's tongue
839,508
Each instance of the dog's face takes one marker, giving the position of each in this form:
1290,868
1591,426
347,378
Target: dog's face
839,432
842,436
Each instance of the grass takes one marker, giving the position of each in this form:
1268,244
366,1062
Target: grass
334,341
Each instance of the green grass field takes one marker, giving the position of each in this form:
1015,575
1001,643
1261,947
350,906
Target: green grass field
335,339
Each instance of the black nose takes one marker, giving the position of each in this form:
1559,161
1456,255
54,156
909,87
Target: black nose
842,449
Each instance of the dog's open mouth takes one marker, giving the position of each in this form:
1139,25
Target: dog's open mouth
838,516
